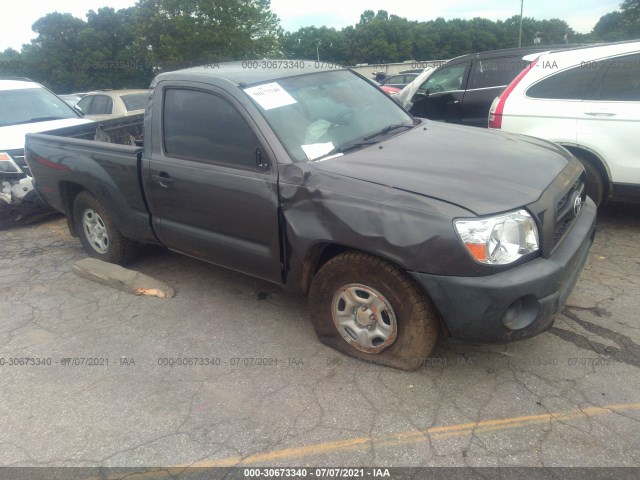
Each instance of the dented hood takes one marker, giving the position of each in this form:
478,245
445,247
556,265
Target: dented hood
482,171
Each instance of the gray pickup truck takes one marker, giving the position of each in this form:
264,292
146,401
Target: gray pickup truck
312,178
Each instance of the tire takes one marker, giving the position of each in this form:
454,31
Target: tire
595,183
395,325
100,237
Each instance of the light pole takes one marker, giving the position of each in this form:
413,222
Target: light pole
520,33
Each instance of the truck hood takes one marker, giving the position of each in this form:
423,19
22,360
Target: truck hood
12,137
482,171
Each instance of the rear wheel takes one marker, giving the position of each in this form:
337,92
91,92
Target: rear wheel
595,188
100,237
368,308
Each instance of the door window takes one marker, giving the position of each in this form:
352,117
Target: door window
496,72
85,105
135,101
101,105
572,84
202,126
621,81
393,80
446,80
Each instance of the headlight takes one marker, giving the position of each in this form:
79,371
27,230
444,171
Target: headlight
7,165
500,239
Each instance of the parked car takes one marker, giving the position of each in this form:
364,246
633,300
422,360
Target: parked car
385,88
587,100
113,104
406,96
389,90
462,89
25,106
72,99
417,71
400,80
315,180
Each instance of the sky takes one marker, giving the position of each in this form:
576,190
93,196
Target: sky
581,15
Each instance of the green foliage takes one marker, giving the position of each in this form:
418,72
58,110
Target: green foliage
610,27
623,24
11,64
203,31
126,48
312,43
631,17
383,38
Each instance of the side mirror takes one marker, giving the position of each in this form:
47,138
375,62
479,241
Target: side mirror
78,109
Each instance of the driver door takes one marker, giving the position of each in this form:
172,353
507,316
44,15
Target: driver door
440,96
213,188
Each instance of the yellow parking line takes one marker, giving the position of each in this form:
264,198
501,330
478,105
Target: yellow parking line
417,436
394,439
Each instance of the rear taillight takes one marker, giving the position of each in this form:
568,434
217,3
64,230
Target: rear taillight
495,114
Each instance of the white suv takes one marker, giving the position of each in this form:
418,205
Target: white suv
587,100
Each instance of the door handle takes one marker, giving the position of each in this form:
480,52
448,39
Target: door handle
163,179
600,114
452,102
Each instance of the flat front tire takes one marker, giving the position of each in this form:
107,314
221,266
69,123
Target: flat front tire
100,237
370,309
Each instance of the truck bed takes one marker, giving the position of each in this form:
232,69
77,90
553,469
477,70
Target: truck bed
101,157
122,131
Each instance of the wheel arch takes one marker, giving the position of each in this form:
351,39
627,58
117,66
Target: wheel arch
596,160
134,223
320,253
68,192
317,255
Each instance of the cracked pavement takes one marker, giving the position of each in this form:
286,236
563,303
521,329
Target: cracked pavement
532,403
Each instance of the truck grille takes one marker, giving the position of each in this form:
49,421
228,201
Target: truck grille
566,210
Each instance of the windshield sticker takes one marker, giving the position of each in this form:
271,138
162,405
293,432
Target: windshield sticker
270,95
317,150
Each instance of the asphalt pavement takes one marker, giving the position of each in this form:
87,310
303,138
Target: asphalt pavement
229,372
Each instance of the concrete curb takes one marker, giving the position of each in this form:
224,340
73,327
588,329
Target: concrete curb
121,278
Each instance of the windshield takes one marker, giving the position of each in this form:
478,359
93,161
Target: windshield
32,105
319,114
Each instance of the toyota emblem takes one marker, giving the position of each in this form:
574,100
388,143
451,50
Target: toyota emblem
577,205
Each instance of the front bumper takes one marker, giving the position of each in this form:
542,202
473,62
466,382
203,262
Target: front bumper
29,210
518,303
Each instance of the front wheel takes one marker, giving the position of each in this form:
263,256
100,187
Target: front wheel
100,237
368,308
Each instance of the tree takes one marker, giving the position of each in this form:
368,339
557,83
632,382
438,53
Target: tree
309,43
50,57
11,64
179,32
611,27
631,16
109,58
